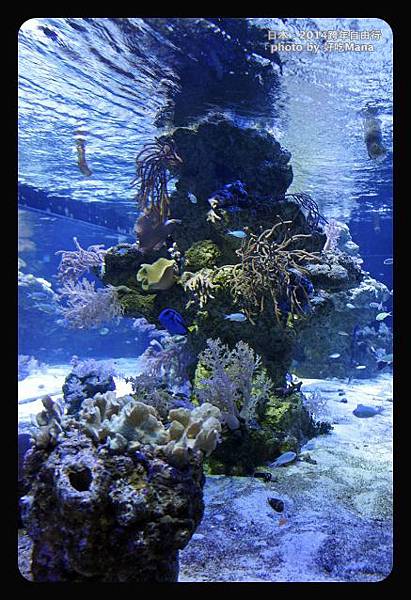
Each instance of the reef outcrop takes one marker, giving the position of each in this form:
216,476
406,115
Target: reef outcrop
113,494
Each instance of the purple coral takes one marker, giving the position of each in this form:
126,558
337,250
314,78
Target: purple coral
87,307
75,263
235,384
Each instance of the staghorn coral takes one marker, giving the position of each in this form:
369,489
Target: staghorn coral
87,307
151,166
270,270
75,263
234,383
157,276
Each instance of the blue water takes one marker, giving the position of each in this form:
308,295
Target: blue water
110,79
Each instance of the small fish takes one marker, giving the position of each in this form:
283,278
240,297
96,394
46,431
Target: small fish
238,233
39,295
381,364
47,308
349,305
375,305
284,459
364,412
172,321
383,315
361,367
342,333
388,261
104,331
239,317
192,198
335,355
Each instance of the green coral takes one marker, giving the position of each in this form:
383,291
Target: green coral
284,425
158,275
202,254
136,304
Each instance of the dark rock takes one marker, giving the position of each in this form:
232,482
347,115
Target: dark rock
276,504
76,388
218,152
97,517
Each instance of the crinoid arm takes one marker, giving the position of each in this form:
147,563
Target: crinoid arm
152,164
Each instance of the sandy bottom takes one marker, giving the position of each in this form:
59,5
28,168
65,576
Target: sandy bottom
337,518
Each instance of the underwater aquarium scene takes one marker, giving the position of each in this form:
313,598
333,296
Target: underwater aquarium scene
205,300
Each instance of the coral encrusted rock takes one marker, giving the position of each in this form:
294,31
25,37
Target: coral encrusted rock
113,494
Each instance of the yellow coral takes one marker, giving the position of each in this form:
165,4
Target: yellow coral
158,276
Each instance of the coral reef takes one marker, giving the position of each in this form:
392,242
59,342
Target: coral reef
113,477
261,422
343,323
260,251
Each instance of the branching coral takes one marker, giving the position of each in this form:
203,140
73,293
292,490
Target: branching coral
87,307
151,166
316,404
235,383
333,231
199,285
75,263
304,200
269,269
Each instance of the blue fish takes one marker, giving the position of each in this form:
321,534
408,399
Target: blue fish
172,321
364,412
238,233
